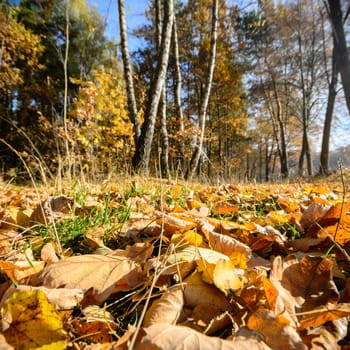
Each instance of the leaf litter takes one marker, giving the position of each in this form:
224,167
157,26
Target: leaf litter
176,267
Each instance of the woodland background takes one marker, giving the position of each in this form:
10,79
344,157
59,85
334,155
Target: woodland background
278,85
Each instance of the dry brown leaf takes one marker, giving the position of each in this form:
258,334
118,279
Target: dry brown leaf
4,345
175,224
327,336
238,252
48,253
139,252
306,243
218,323
336,222
18,217
320,316
303,285
21,269
166,337
7,237
167,309
198,292
51,208
277,332
204,314
313,214
106,274
288,204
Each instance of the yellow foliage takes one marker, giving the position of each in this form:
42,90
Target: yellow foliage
103,128
34,322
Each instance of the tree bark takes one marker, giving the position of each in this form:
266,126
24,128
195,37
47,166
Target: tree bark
162,109
332,92
132,108
143,147
177,95
336,18
206,93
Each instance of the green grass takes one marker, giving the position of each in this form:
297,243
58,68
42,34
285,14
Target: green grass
72,230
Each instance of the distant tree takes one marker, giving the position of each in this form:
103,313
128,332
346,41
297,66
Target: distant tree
206,91
21,51
310,80
100,128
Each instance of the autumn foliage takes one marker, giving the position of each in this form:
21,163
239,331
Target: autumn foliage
160,266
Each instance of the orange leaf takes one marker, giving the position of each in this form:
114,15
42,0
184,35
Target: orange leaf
320,316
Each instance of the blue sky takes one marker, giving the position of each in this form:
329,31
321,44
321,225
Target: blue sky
135,13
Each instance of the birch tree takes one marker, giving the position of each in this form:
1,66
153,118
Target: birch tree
142,154
206,94
164,156
127,71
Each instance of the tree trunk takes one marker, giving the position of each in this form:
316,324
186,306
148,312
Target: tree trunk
164,157
132,108
332,92
143,147
65,101
177,96
205,96
162,109
336,18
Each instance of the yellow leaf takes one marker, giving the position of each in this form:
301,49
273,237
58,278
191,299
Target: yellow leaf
35,319
188,238
227,277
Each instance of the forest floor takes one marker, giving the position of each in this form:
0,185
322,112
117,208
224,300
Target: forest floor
149,264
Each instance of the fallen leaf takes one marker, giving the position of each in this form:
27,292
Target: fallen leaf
106,274
197,292
220,322
313,214
302,286
139,252
238,252
227,277
21,269
61,298
327,336
203,314
166,337
320,316
277,332
4,345
48,253
175,224
187,238
167,309
51,209
35,319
